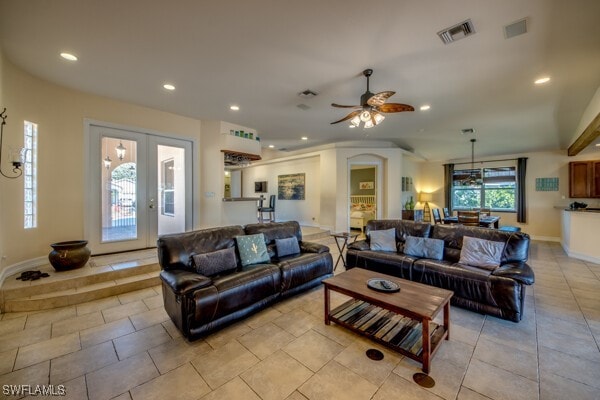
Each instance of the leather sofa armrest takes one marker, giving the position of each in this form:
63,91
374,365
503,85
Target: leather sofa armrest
359,245
518,271
310,247
183,282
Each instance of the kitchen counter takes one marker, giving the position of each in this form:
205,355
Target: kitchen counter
580,234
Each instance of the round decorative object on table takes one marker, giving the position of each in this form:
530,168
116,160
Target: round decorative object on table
69,255
423,380
383,285
374,354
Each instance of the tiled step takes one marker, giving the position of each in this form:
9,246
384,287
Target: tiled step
314,234
76,290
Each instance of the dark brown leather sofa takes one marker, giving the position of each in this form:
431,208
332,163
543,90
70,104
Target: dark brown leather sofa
198,304
500,293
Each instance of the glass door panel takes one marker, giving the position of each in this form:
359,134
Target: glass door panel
119,190
171,193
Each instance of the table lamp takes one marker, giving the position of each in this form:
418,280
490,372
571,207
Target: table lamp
426,198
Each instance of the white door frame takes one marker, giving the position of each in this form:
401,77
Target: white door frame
91,216
379,179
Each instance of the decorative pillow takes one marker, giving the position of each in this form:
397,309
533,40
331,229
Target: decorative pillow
424,247
252,249
384,240
287,246
481,253
216,262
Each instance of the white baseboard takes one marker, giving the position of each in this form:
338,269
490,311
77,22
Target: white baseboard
583,257
22,266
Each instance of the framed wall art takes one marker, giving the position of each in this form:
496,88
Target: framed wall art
291,187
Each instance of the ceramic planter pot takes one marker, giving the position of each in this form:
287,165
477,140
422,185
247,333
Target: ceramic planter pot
69,255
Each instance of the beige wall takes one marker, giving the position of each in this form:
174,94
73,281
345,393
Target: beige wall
60,113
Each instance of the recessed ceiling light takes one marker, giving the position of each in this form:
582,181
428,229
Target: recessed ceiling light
304,138
271,146
541,81
234,108
68,56
425,107
597,144
352,126
168,86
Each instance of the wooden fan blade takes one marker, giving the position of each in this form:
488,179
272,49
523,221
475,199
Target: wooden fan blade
342,106
394,107
380,98
347,117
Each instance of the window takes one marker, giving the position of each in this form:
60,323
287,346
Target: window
493,188
168,185
30,175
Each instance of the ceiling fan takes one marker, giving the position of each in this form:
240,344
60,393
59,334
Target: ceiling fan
371,107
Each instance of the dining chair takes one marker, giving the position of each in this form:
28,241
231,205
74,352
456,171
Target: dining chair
436,216
485,212
468,218
446,212
270,210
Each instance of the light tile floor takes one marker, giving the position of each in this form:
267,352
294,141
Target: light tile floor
125,347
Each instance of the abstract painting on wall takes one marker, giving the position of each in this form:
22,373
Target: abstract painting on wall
290,187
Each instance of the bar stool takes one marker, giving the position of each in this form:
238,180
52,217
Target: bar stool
270,210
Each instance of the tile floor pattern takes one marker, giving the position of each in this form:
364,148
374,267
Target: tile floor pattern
125,347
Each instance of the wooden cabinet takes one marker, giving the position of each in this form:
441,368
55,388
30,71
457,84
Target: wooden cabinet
584,179
413,215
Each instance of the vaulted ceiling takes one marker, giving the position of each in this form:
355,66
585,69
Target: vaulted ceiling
260,54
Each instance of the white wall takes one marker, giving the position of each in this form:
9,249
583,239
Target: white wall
307,211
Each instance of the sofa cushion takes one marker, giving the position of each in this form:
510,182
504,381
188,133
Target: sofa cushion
424,247
287,246
252,249
215,262
481,253
384,240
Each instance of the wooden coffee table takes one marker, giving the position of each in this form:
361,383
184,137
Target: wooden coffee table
401,321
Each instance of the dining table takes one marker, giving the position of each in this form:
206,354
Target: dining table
485,221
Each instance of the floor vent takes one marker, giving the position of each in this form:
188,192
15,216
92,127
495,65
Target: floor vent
457,32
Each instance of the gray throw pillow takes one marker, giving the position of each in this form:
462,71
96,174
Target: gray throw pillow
252,249
287,246
481,253
424,247
216,262
384,240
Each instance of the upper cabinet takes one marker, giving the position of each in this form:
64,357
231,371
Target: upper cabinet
584,179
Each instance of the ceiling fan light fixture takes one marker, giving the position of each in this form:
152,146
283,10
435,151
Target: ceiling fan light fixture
379,118
355,121
365,116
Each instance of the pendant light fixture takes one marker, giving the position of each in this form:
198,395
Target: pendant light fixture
473,179
107,161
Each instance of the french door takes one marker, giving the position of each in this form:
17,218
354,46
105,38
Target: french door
140,187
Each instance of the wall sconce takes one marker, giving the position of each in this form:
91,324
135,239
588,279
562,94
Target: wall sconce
17,158
120,150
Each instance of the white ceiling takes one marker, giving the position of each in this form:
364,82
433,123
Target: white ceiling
260,54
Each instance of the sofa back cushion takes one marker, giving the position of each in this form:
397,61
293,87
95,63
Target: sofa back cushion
516,248
175,251
482,253
404,228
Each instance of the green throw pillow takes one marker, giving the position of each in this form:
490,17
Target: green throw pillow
252,249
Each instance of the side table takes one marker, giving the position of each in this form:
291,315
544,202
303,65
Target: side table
343,238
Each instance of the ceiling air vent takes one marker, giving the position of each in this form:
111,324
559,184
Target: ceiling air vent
515,29
466,131
457,32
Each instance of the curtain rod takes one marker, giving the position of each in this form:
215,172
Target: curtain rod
486,161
